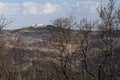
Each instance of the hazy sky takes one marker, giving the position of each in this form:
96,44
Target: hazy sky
28,12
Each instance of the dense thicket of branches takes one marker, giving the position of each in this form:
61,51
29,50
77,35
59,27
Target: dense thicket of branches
89,53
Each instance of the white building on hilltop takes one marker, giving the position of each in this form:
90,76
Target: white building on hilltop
38,25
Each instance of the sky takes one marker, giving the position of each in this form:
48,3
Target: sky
28,12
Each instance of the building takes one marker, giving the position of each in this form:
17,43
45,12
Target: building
38,25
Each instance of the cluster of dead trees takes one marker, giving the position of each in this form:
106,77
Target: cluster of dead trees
74,57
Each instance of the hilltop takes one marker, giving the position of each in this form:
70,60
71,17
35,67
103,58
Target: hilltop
38,28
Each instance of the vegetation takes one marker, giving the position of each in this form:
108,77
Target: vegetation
60,53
